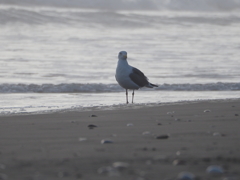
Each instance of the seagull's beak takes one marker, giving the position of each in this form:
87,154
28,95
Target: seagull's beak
125,56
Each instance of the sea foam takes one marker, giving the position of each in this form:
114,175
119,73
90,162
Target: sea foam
90,88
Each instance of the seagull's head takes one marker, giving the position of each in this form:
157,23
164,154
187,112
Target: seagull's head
122,55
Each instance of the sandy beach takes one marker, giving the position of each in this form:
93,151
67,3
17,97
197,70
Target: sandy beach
148,143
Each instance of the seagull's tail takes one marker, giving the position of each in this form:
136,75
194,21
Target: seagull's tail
150,85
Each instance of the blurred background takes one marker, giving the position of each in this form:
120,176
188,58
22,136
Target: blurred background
59,54
203,5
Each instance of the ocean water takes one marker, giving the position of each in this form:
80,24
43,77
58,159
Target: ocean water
60,54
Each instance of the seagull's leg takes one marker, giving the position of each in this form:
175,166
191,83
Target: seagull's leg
127,96
132,96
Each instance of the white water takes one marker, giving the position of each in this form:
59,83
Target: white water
46,103
69,54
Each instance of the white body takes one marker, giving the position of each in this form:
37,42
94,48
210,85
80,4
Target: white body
122,75
129,77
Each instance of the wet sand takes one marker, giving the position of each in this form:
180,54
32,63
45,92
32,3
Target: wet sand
152,142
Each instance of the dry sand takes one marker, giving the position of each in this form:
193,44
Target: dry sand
153,142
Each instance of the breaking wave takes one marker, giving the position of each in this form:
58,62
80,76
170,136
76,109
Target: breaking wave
98,88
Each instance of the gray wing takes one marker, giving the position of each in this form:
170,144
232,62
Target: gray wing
138,77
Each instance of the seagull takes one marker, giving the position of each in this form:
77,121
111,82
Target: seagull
129,77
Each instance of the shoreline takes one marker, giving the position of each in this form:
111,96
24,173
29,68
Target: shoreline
49,103
122,106
153,142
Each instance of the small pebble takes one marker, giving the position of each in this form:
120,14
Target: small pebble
186,176
178,162
129,124
145,149
217,134
93,115
91,126
236,114
171,112
178,153
207,110
146,133
162,137
82,139
159,124
120,165
215,170
106,141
